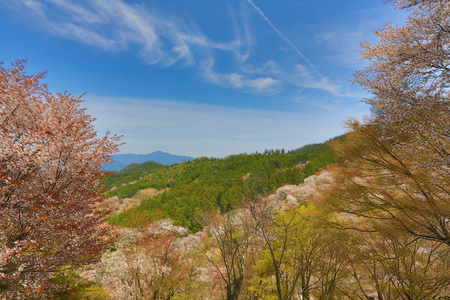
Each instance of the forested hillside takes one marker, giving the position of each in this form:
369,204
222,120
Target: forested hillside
131,173
214,184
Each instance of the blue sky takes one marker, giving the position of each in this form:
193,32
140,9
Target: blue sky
201,77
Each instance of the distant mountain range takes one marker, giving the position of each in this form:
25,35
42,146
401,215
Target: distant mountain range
120,161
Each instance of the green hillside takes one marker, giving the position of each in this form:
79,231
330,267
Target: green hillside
218,184
131,173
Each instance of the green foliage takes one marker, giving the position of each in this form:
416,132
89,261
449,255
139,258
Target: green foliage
307,148
131,173
77,288
211,183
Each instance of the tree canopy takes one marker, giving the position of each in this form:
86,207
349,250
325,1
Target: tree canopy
50,162
397,163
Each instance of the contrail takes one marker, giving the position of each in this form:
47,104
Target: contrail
282,36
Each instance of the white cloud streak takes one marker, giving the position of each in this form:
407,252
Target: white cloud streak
116,25
303,78
244,54
269,67
282,36
236,80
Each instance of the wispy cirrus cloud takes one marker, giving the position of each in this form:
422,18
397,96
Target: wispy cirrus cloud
241,29
268,67
238,80
159,37
285,38
116,25
306,77
37,7
302,77
342,42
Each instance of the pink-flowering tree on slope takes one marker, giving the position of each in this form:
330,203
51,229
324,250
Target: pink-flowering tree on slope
50,166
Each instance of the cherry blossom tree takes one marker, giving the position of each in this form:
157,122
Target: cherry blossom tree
409,77
231,249
302,257
395,166
395,265
50,166
153,263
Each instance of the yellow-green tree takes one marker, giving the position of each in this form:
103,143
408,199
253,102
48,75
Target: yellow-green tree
230,249
395,265
392,183
395,168
379,183
301,259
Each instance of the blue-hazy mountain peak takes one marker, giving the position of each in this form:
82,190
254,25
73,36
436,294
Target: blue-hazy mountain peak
120,161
